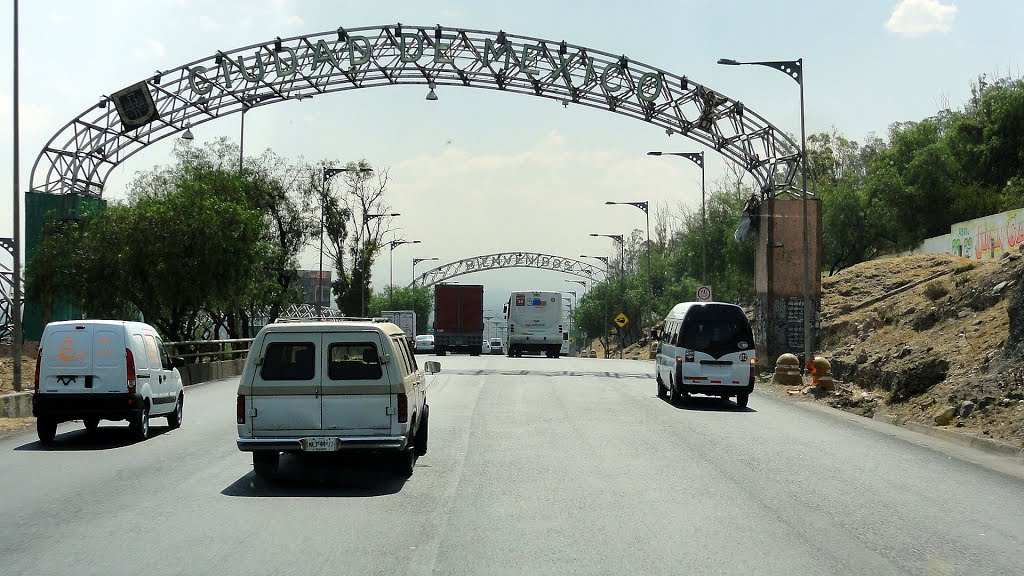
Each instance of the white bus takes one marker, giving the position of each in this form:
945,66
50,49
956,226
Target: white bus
534,323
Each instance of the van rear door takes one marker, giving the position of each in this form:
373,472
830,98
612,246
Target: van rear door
82,358
286,384
721,340
356,387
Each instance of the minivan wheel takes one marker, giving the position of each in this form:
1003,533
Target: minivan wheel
46,429
91,424
741,400
174,418
265,464
674,396
662,391
405,462
138,426
421,434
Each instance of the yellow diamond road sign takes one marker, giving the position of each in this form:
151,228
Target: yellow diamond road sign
621,320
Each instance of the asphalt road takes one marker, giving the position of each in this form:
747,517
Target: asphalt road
536,466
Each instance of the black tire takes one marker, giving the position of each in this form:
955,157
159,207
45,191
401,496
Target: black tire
174,418
556,354
265,464
138,424
662,391
674,397
46,429
421,434
405,462
474,353
91,424
741,400
440,351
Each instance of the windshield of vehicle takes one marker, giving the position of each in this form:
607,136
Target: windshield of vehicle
495,342
716,330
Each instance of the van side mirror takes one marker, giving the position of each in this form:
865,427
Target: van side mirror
178,362
432,367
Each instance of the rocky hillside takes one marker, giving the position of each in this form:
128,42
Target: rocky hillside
933,338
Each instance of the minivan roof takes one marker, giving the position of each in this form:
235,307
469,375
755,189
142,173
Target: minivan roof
679,310
328,326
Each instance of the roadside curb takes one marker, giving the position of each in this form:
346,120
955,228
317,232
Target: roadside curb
989,445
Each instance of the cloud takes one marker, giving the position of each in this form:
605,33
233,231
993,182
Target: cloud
208,24
35,119
294,21
913,18
152,48
157,48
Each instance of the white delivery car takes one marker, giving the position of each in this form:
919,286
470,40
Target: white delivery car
332,386
104,369
534,323
705,348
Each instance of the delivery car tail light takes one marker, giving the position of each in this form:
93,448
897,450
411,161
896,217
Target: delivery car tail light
130,369
35,382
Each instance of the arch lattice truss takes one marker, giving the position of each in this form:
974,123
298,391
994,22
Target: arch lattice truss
79,158
507,260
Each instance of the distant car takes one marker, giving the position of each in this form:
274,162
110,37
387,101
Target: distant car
495,346
423,343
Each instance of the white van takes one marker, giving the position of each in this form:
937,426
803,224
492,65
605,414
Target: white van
705,348
104,369
332,386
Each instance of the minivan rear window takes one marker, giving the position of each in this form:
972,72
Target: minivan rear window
716,330
354,361
289,361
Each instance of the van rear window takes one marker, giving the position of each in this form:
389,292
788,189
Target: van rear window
716,330
354,361
289,361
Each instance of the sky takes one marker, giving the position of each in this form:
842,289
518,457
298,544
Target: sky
479,172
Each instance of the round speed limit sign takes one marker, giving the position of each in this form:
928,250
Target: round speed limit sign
704,294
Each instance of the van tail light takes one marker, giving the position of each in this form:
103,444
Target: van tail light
240,409
35,382
403,408
130,363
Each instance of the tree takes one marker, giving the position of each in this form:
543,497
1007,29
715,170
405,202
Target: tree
416,298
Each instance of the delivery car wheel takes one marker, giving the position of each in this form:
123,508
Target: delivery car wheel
46,429
174,418
741,400
662,391
138,425
674,396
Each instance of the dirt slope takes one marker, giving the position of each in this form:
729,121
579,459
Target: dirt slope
924,336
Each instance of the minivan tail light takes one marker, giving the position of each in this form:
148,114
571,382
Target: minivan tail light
403,408
240,409
35,382
130,369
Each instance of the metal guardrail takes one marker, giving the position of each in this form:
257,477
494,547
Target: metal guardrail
195,351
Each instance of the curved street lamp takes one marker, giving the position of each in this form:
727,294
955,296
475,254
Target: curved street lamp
391,287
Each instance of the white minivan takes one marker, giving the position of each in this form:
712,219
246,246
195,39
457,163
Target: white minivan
705,348
104,369
332,386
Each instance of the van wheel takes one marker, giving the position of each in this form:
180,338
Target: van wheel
91,424
138,425
174,418
405,462
421,434
741,400
46,429
674,397
265,464
662,391
440,351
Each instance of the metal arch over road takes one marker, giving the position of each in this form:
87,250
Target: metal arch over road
507,260
79,158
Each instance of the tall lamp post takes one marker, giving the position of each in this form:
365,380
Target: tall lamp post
572,306
359,253
416,261
698,159
580,282
622,274
795,70
391,287
643,206
328,173
16,338
604,260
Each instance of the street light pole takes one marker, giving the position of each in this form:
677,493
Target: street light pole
698,159
416,261
795,70
326,175
622,274
645,206
391,287
359,254
604,260
16,339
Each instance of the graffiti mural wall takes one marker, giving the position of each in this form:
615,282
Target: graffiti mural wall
985,238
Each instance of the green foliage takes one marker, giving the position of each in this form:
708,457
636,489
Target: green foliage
416,298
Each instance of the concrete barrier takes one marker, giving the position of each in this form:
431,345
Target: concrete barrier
197,373
16,405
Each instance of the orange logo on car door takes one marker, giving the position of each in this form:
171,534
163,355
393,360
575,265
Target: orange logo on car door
67,351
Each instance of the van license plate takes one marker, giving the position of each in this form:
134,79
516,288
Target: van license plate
320,445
